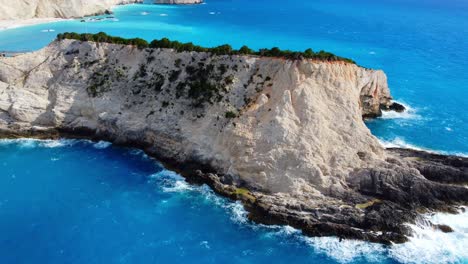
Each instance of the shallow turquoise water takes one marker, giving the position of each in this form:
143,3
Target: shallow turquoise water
75,202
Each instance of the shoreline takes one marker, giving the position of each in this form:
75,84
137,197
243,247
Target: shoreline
423,232
12,24
373,201
257,207
6,24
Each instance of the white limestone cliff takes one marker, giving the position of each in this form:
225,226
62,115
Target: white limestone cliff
286,137
28,9
298,126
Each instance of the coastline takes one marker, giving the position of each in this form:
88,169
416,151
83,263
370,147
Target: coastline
342,250
258,204
11,24
6,24
371,203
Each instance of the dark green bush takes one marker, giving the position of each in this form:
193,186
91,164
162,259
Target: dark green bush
230,114
220,50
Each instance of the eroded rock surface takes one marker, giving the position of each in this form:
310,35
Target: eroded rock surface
284,136
27,9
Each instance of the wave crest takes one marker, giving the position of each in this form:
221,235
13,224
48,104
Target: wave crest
409,113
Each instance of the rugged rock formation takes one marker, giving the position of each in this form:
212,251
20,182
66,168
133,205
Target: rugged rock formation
178,2
26,9
284,136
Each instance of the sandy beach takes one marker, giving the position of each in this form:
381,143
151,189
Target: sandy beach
9,24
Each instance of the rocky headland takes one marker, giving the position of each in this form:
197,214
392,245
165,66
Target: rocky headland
283,135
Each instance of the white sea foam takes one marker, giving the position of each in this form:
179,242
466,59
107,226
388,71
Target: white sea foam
56,143
205,244
238,212
163,15
22,142
428,245
136,152
32,143
399,142
102,144
178,186
171,182
346,250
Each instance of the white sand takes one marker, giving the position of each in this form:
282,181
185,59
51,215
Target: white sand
9,24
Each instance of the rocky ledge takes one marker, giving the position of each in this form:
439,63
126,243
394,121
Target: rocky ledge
284,136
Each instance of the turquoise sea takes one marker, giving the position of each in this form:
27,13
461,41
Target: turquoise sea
81,202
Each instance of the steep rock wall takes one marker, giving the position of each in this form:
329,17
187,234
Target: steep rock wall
284,136
276,124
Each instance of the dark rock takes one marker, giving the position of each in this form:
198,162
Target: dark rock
375,205
436,167
397,107
444,228
393,107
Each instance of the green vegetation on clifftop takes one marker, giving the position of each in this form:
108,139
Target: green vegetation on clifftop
220,50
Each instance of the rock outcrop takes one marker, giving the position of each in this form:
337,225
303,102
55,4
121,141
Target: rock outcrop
284,136
27,9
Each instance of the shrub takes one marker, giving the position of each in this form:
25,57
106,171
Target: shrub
230,114
165,43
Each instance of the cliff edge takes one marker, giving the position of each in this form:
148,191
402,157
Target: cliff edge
286,137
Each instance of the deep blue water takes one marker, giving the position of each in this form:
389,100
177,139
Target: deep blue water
81,202
75,203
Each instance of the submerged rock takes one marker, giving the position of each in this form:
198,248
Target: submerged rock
294,149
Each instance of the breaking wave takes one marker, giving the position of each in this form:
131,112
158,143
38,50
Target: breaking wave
425,246
102,144
399,142
428,245
409,113
32,143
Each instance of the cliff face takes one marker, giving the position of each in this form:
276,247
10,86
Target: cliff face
26,9
289,131
297,122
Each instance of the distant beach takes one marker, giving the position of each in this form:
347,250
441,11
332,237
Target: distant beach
9,24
